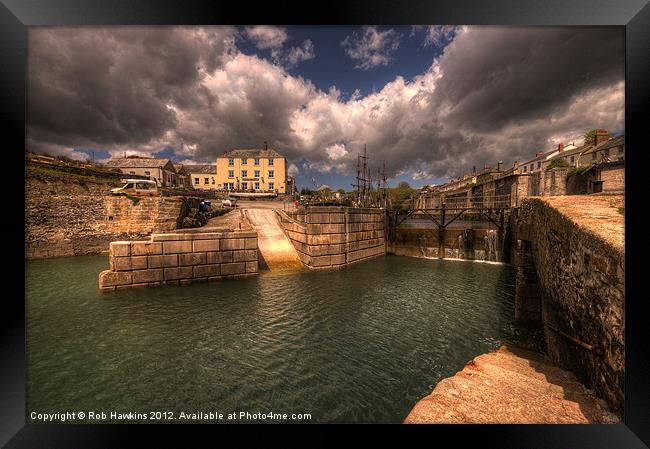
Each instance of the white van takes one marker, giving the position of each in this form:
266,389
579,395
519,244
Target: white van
137,187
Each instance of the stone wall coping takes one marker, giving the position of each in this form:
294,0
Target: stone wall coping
202,236
334,209
203,230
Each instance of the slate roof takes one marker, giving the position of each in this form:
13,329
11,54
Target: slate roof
251,153
611,143
572,152
132,162
198,168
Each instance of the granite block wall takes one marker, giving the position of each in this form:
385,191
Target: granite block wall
333,237
181,258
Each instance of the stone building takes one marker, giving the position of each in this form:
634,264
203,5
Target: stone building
160,170
201,177
252,170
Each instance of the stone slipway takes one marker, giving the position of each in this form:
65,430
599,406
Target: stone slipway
511,386
276,251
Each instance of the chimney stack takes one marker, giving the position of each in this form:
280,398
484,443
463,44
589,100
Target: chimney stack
560,147
601,136
539,153
266,146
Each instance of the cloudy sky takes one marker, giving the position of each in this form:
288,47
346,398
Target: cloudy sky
430,101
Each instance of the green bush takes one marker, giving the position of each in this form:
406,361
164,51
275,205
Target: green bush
576,171
556,163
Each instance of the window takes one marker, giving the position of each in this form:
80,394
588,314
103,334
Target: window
573,159
132,172
244,161
206,181
525,169
257,186
244,186
147,173
271,174
271,162
212,181
593,156
196,181
231,162
244,173
531,167
257,173
257,161
231,186
606,152
539,165
231,173
271,186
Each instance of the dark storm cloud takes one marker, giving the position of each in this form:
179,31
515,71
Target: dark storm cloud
497,76
496,93
113,86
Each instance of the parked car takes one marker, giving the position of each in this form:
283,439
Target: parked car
229,202
137,187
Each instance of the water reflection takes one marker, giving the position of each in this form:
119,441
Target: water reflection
356,345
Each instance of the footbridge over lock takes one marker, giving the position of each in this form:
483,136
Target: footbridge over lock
461,227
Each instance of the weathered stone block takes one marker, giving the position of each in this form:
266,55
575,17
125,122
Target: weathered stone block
206,245
207,270
230,244
250,243
314,229
337,259
146,248
245,234
354,227
109,278
321,261
178,273
192,259
244,255
324,239
155,275
164,261
183,246
333,228
233,268
128,263
120,249
251,267
337,218
219,257
318,218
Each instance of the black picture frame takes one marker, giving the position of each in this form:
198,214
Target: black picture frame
16,15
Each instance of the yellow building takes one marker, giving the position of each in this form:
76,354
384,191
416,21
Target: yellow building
254,170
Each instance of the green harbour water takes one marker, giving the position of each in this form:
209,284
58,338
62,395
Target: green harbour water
362,344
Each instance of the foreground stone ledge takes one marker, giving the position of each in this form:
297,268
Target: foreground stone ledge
511,386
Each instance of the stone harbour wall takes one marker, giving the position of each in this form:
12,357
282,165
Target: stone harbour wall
333,237
180,258
65,218
578,295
